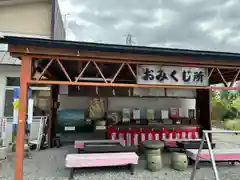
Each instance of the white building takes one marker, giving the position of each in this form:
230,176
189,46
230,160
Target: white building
25,18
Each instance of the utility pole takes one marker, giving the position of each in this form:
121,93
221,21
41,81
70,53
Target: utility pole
129,40
65,21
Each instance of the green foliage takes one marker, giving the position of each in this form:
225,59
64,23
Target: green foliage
225,105
232,124
236,103
230,114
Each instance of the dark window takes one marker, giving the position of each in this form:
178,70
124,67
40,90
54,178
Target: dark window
8,106
13,81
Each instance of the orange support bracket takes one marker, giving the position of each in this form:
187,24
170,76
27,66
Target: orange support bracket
25,77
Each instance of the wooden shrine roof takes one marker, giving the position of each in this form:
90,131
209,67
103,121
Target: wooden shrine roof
110,56
139,50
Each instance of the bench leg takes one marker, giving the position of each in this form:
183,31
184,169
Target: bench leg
131,168
57,142
71,171
190,161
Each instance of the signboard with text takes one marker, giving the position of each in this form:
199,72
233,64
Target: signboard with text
172,75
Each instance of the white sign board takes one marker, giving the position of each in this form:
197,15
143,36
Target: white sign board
30,111
3,130
172,75
69,128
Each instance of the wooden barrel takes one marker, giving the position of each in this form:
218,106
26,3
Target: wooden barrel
179,161
153,159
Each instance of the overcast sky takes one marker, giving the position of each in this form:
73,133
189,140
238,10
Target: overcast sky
191,24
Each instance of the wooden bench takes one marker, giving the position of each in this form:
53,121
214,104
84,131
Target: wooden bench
74,161
173,143
80,144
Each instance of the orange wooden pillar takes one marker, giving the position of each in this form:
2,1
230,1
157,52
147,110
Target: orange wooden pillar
25,76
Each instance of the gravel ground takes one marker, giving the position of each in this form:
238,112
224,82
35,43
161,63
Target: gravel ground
49,165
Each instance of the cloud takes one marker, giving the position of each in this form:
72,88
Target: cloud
192,24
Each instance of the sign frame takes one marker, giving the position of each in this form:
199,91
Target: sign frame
172,75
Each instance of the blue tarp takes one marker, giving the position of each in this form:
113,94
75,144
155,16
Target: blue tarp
71,114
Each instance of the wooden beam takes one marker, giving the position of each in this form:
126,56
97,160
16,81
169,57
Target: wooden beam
224,72
72,54
49,75
228,78
25,76
131,85
160,61
203,109
45,69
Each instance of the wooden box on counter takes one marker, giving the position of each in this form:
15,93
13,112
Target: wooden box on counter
185,121
174,113
193,121
177,121
167,121
154,122
142,121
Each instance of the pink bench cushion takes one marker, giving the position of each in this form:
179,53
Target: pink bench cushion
219,154
100,159
78,145
222,157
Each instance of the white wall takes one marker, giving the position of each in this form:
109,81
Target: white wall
33,17
28,18
117,104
